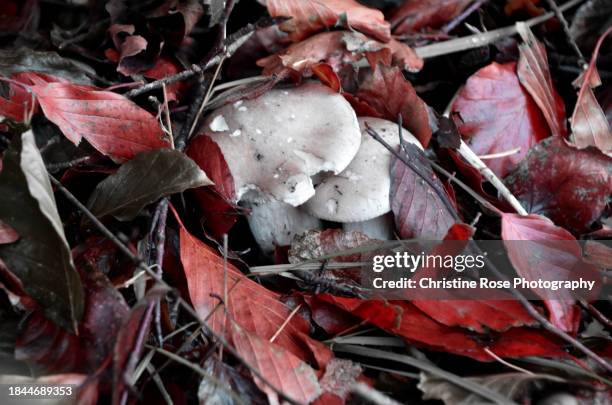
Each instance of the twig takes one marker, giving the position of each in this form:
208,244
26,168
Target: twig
232,43
285,323
372,395
473,159
451,25
54,167
160,384
485,38
596,313
507,364
199,370
471,386
500,154
581,61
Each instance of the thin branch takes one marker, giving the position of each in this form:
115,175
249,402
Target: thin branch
372,395
473,159
507,364
581,60
485,38
451,25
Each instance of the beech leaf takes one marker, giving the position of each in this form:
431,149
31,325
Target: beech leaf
570,186
252,306
418,209
41,258
540,250
279,367
309,16
499,115
143,180
114,125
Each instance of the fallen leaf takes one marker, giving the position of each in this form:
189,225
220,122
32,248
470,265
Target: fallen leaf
590,22
516,387
7,234
403,319
598,254
567,185
414,15
50,349
418,208
387,93
143,180
233,384
339,377
534,75
278,366
165,67
499,115
477,315
590,126
540,250
130,48
315,244
249,304
114,125
336,48
309,16
25,60
41,258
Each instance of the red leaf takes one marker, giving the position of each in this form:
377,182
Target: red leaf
7,234
336,48
405,320
390,94
413,15
498,115
250,305
476,315
418,210
17,105
590,126
569,186
114,125
534,248
280,367
309,16
216,202
534,74
165,67
50,348
327,76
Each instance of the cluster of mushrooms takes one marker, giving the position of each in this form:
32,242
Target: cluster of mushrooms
301,156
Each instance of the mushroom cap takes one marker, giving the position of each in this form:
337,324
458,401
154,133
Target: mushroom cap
276,142
361,191
275,223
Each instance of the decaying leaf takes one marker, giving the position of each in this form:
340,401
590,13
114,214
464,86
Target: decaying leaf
50,63
534,75
513,386
590,126
41,258
7,234
309,16
567,185
387,94
498,116
414,15
420,210
591,20
315,244
143,180
540,250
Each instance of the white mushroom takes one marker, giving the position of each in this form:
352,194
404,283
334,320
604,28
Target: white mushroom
361,191
276,142
275,223
381,227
